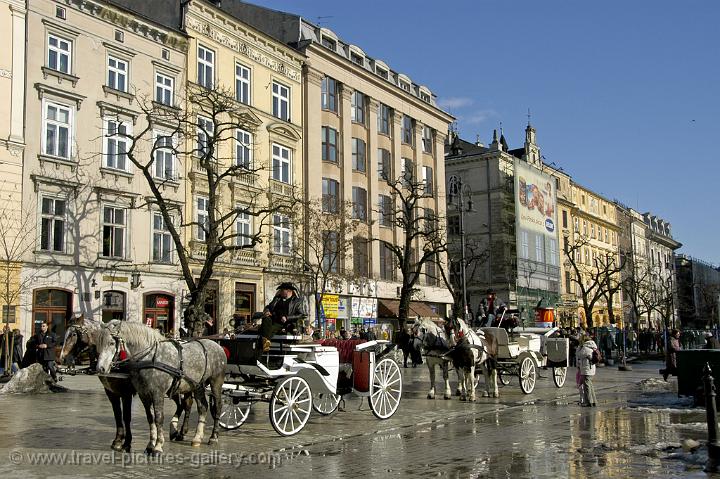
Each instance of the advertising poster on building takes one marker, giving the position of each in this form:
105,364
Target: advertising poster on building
535,204
364,310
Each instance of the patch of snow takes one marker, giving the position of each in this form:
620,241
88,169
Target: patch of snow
656,385
668,400
691,426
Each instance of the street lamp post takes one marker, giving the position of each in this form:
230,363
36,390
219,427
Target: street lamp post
459,194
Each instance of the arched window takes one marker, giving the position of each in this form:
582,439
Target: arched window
54,307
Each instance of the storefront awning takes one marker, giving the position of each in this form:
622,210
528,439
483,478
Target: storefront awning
389,308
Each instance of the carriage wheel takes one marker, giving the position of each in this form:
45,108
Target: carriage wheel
559,376
290,405
528,375
234,412
386,389
325,403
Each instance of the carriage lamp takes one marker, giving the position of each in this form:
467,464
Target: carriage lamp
135,280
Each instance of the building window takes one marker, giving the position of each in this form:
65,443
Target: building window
592,230
568,282
329,144
202,218
381,72
114,226
606,236
524,245
162,240
407,134
428,184
281,234
116,144
357,112
243,227
52,225
453,224
281,101
117,74
330,195
358,155
206,130
57,125
359,198
164,157
360,257
384,119
164,89
384,165
59,54
355,58
330,252
427,139
539,249
9,314
242,84
328,88
387,262
431,272
585,229
281,160
564,219
408,171
385,210
243,149
577,225
328,43
205,66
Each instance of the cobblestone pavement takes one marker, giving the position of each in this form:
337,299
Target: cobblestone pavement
544,434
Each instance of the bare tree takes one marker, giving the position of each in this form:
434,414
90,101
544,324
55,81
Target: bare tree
204,138
330,232
476,256
592,276
423,237
610,269
636,288
17,234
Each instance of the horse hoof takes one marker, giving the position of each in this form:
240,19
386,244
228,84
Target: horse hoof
495,395
463,399
430,396
458,393
195,443
486,395
156,452
212,441
116,446
126,448
179,437
447,396
471,400
173,436
149,451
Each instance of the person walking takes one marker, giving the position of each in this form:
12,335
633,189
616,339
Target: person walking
586,359
45,346
711,342
671,357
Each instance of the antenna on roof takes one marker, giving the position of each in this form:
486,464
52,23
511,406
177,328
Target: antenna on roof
321,20
501,129
528,116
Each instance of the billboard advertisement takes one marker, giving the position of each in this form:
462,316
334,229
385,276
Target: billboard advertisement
535,202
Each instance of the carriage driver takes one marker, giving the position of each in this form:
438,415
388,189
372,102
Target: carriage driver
283,313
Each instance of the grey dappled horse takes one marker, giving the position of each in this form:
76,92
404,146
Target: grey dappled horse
159,367
435,343
470,350
84,333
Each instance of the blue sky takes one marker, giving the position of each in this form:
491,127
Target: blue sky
623,94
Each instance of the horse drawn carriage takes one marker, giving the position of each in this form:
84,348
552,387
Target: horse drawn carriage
522,353
295,378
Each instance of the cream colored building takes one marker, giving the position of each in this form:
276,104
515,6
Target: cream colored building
12,145
594,226
98,251
359,113
264,76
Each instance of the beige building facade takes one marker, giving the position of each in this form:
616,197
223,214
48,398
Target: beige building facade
98,250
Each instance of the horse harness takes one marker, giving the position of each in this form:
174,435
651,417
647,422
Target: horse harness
131,363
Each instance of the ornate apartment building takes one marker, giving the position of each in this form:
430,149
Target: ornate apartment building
363,123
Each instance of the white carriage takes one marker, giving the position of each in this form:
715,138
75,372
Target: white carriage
525,350
295,378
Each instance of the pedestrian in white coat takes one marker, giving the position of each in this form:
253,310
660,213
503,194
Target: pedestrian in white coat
586,369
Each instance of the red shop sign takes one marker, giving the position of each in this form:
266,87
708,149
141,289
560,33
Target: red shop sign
162,302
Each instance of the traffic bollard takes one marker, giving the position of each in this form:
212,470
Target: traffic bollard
713,446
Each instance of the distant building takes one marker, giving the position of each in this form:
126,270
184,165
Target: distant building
698,292
511,232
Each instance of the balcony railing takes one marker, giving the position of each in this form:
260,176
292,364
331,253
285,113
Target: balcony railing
246,257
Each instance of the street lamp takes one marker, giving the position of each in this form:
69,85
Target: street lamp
460,195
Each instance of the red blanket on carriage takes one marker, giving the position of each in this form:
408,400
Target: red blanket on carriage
345,347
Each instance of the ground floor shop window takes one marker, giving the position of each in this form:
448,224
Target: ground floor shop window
244,303
113,306
54,307
158,313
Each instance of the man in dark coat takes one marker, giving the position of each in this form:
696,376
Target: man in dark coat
283,313
711,342
45,345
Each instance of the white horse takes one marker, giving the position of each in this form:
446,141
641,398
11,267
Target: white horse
468,351
435,343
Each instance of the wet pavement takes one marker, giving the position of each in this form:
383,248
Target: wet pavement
634,432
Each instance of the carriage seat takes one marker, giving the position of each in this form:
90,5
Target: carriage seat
506,348
345,347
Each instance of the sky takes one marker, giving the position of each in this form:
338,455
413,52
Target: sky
623,94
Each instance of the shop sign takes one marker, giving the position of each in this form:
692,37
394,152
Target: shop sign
162,302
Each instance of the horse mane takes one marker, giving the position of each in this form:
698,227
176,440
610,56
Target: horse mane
135,334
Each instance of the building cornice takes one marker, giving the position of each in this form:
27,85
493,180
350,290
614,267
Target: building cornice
131,22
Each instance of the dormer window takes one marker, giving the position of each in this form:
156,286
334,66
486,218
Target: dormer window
425,97
404,85
329,43
355,58
381,72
